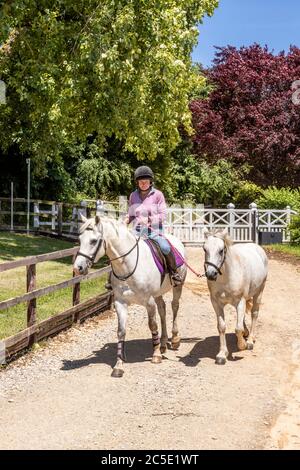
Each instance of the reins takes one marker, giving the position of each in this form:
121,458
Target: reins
124,278
99,244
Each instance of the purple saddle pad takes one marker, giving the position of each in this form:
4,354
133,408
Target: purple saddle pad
178,259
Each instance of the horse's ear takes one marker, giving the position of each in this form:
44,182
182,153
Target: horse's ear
97,220
206,233
224,232
82,218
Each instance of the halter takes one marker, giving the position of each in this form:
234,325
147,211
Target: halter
99,244
217,268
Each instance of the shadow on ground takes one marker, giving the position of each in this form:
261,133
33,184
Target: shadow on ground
209,348
140,350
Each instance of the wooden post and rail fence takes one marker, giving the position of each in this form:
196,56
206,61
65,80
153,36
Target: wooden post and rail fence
49,216
36,331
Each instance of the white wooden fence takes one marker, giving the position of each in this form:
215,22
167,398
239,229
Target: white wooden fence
243,225
186,223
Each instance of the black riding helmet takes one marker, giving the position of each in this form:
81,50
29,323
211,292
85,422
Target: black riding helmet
143,172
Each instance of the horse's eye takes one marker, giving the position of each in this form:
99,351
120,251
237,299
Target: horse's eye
93,242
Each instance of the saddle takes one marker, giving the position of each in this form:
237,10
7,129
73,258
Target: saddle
160,259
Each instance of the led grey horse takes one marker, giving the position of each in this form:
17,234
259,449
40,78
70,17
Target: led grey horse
135,279
236,274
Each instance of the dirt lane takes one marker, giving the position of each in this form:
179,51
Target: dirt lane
61,396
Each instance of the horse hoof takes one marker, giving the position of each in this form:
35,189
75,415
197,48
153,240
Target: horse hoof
156,360
163,349
175,346
117,373
249,346
242,345
220,361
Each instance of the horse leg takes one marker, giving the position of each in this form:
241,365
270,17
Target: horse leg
161,306
151,309
239,331
177,291
121,309
254,315
249,304
223,352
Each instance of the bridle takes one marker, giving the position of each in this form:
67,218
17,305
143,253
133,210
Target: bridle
92,258
98,246
217,268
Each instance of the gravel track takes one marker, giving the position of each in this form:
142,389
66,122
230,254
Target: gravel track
61,395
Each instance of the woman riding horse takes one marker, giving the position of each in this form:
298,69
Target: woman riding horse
136,278
147,211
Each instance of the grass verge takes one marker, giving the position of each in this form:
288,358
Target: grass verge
13,282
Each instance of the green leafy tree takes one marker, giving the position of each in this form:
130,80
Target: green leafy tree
194,179
113,69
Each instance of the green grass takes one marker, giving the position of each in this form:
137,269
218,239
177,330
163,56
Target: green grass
13,282
285,248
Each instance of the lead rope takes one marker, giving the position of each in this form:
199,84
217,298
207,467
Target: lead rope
180,255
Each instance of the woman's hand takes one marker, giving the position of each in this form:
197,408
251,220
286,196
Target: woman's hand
143,220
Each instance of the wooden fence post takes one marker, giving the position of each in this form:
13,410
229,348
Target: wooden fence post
254,213
36,217
99,207
53,215
31,285
11,206
76,293
59,217
231,208
286,233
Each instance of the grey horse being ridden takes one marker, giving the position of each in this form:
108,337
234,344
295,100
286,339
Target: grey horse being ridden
135,279
236,275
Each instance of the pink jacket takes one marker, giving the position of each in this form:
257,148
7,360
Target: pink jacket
153,208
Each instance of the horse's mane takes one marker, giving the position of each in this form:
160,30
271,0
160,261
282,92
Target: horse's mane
220,234
91,223
88,223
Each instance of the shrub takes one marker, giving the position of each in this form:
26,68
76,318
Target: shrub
279,198
246,193
294,230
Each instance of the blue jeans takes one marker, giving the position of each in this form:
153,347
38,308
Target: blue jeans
163,243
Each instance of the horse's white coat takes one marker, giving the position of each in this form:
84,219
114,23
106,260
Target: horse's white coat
143,287
244,273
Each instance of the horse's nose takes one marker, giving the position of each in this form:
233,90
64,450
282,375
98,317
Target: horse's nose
211,274
78,270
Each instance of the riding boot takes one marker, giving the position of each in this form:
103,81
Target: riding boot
108,285
176,277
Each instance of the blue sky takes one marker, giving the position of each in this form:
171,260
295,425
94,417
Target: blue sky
243,22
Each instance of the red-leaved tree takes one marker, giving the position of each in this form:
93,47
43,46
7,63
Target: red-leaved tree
250,116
